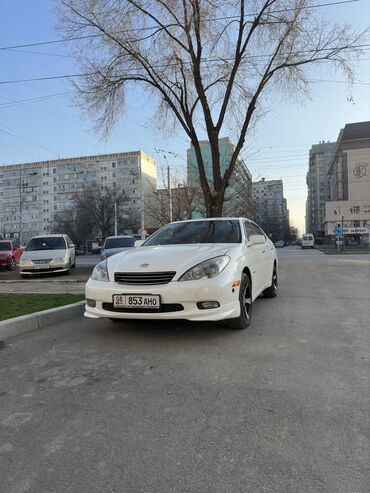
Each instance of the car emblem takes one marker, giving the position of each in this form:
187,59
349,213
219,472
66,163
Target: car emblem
144,265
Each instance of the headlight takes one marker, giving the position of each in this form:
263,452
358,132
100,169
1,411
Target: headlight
100,272
25,262
59,260
207,269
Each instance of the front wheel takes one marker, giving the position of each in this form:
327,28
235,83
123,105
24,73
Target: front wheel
12,264
245,301
271,292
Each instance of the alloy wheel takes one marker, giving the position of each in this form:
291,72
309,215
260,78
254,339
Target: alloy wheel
247,301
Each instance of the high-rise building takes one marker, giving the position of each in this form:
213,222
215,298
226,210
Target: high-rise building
270,208
318,186
31,193
238,196
349,178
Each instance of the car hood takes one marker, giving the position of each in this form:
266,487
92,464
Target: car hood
178,258
112,251
43,254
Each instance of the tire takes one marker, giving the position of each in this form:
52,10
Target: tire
74,264
245,300
271,292
12,265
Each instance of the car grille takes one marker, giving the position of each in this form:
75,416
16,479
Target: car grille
164,308
42,261
144,278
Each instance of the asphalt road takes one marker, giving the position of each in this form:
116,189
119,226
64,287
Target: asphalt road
74,282
96,406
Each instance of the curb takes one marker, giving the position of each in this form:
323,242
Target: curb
39,320
41,281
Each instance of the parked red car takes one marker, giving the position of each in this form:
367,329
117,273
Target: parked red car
10,253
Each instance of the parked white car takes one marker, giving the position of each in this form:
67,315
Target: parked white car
48,253
206,269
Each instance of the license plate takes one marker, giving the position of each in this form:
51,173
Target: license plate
136,301
41,266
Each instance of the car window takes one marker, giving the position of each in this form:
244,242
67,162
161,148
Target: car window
69,242
51,243
248,229
5,246
225,231
119,242
258,230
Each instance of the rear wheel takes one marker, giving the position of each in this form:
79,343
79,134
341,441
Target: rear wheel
245,300
271,292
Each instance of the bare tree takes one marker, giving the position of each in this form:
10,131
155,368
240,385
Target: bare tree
92,214
208,64
184,199
78,225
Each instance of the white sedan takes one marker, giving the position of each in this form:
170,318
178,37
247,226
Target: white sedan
204,269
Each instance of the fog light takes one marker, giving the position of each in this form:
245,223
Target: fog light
91,303
206,305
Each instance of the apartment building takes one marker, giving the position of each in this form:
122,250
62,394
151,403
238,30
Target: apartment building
270,208
349,178
32,193
318,186
238,196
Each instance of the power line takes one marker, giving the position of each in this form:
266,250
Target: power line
40,98
79,38
18,135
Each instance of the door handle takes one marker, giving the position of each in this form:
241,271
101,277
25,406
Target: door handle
263,251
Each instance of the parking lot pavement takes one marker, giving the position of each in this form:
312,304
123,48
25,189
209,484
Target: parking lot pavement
74,282
188,407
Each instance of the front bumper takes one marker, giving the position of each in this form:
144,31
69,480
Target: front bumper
32,269
173,294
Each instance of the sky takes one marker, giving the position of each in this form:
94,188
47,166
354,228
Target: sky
51,126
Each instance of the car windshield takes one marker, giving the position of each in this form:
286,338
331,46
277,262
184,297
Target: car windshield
227,231
52,243
5,246
119,242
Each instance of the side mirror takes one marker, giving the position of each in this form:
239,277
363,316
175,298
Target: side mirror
138,243
256,240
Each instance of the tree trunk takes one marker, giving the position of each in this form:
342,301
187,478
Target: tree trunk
214,208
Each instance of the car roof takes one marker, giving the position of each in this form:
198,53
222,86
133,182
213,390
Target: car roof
212,219
119,236
49,236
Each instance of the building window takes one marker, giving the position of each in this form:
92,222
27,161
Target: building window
355,209
366,209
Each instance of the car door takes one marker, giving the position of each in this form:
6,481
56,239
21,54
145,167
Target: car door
256,259
71,250
268,254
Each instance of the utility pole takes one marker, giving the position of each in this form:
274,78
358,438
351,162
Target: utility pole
142,204
115,219
169,192
342,235
20,206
